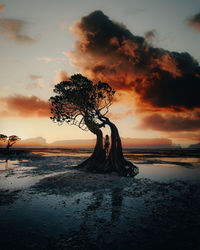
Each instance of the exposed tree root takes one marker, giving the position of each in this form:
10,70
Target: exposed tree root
115,162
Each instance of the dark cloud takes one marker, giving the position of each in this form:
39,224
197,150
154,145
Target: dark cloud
23,106
12,29
108,51
194,22
171,123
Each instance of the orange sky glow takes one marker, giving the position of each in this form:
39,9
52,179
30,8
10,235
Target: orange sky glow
157,90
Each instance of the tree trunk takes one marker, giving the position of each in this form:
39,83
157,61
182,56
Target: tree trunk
116,161
8,148
98,156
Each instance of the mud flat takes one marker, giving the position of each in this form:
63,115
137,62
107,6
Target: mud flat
45,203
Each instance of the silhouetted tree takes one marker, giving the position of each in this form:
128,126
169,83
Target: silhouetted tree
3,137
82,103
10,140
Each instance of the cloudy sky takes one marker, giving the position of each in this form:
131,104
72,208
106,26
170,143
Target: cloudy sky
148,50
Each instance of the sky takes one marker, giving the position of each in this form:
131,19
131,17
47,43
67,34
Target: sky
148,50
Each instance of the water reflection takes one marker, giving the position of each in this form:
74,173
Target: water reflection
8,165
177,159
90,209
62,152
36,164
168,172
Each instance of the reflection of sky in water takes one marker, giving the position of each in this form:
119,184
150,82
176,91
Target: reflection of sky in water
14,176
8,165
58,152
40,217
176,159
168,172
25,173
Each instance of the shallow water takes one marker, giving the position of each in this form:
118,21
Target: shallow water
177,159
8,165
168,172
15,174
46,204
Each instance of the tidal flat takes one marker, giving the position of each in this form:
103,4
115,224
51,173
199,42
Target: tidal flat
46,203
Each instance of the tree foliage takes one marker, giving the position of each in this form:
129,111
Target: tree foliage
78,101
3,138
12,139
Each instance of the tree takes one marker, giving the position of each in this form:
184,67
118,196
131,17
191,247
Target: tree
10,140
82,103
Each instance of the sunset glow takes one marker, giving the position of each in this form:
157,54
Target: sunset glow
153,65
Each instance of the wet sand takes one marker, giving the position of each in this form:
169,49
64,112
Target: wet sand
45,203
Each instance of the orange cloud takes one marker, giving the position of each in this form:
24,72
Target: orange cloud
171,122
38,83
22,106
151,142
12,29
34,85
62,75
50,59
194,22
169,64
119,116
34,77
2,7
191,136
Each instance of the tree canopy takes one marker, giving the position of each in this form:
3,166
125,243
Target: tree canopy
79,100
11,140
3,137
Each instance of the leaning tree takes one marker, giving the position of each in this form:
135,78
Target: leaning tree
85,104
11,140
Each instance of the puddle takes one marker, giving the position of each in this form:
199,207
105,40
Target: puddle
8,165
176,159
62,152
168,172
17,175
